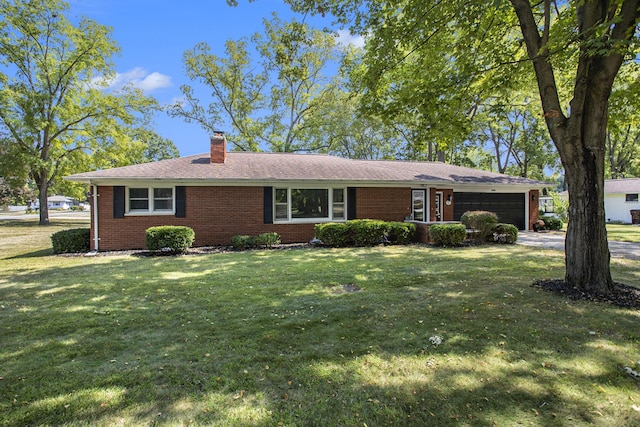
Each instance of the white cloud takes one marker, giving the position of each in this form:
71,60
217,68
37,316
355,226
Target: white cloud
137,77
345,38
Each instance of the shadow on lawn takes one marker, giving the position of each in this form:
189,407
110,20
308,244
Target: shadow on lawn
208,340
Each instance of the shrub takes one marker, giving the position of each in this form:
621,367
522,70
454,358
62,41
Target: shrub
367,232
482,221
400,233
170,238
333,234
267,240
242,242
505,233
552,223
71,241
448,235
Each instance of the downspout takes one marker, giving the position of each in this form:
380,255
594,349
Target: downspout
95,218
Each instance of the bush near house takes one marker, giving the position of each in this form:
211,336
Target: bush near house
170,238
400,233
482,222
367,232
364,232
447,235
333,234
268,240
71,241
552,223
505,233
241,242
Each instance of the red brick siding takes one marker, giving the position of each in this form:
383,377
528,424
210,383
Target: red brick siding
215,213
447,210
534,207
218,213
388,204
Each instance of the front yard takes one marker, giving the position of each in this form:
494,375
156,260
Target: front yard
308,337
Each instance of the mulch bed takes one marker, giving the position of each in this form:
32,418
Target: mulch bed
623,296
200,250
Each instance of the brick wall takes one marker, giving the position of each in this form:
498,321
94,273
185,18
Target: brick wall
387,204
218,213
533,207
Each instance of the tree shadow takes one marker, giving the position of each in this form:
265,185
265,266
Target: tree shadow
204,339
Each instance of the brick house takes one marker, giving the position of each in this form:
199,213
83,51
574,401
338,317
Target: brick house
221,194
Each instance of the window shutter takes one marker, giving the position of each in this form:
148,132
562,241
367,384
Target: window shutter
268,205
181,201
351,202
118,201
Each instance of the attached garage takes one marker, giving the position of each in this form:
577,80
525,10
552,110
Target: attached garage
510,207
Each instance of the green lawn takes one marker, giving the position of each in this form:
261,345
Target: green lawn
312,337
623,233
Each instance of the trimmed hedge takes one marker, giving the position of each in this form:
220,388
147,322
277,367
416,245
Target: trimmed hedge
482,221
400,233
448,235
364,232
71,241
333,234
552,223
367,232
241,242
170,238
268,240
505,233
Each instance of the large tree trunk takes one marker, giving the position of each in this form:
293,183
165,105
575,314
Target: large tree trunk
580,137
42,182
44,207
586,247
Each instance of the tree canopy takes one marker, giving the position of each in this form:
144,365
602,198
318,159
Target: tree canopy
266,100
450,56
55,105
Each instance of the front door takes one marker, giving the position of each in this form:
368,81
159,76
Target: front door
438,205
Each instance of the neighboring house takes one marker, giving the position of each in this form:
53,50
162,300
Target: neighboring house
60,202
221,194
620,198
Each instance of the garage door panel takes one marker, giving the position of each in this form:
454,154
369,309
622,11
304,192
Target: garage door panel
510,207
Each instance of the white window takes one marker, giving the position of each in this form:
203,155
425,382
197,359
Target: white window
150,200
309,204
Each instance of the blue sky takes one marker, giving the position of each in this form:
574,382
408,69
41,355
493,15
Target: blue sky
153,36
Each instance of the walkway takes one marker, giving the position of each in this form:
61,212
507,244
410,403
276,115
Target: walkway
555,240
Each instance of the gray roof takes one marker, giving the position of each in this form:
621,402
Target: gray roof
627,185
250,167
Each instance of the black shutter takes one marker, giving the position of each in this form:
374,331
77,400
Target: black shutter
118,201
181,201
268,205
351,202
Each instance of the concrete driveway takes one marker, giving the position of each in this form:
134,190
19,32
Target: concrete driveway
555,240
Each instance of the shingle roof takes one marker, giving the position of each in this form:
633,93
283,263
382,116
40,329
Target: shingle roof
261,167
627,185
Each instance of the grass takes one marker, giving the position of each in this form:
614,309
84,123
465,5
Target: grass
623,233
312,337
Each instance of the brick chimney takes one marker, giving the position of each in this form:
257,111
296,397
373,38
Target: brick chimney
218,147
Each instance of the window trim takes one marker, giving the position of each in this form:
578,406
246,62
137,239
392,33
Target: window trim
150,197
329,218
635,200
